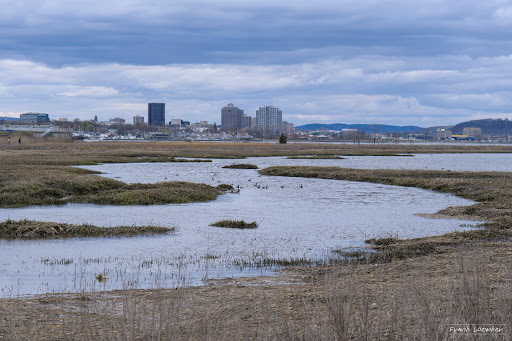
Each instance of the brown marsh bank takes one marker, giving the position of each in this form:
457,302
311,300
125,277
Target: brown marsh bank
27,229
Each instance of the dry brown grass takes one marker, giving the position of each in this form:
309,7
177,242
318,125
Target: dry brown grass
412,299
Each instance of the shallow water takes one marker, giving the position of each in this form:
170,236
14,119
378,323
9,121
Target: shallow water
298,218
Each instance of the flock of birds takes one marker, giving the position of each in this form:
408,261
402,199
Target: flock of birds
238,187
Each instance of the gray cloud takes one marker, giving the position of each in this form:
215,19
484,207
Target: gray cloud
159,32
364,89
405,62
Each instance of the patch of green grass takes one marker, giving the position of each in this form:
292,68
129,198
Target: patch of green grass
236,224
241,166
28,229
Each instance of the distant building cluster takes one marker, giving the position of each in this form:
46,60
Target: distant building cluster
468,133
235,124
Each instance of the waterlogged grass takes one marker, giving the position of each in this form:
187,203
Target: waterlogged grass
235,224
382,241
270,262
241,166
29,229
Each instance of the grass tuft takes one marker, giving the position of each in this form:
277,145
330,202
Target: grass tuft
241,166
236,224
224,187
28,229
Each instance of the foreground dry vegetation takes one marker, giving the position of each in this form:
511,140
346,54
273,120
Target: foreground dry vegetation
409,290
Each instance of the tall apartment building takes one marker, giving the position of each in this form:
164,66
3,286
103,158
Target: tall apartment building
231,118
247,121
138,119
156,114
288,128
269,119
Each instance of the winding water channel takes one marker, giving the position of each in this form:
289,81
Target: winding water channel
298,218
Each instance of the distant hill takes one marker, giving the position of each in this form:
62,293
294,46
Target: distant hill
489,126
369,128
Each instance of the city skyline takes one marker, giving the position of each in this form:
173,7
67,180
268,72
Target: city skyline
425,63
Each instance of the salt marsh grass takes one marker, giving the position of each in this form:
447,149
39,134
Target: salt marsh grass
28,229
235,224
241,166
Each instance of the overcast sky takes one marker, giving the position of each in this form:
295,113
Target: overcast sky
400,62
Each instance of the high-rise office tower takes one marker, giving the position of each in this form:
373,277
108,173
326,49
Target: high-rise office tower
269,119
156,114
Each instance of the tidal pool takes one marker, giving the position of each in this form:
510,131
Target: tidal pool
298,219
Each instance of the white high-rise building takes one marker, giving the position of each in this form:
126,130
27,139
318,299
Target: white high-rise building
269,119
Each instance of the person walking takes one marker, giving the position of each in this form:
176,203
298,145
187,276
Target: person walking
19,140
9,140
